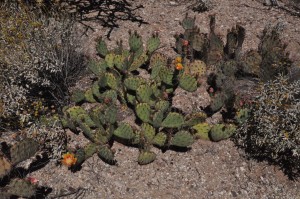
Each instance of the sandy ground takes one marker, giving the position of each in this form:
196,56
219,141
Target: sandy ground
208,170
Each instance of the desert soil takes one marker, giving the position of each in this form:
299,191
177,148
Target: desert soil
208,170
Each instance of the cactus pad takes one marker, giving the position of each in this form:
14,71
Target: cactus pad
23,150
102,47
173,120
77,96
144,93
124,131
153,43
109,59
220,132
160,139
143,111
188,83
197,68
188,22
202,130
146,157
182,139
106,154
21,188
135,41
132,83
148,131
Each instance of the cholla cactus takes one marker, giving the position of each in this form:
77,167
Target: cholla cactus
272,131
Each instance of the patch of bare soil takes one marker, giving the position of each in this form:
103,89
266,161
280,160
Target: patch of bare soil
208,170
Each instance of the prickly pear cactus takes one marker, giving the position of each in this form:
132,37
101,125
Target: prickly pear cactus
21,188
149,98
23,150
220,132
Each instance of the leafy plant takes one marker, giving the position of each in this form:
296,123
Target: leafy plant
272,131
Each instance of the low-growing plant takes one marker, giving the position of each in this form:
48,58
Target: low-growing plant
39,57
272,130
17,186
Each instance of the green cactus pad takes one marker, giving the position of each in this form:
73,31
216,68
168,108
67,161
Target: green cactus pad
111,114
107,154
148,131
173,120
153,43
119,62
242,115
182,139
89,97
110,95
146,157
218,102
251,62
202,131
158,118
96,115
137,138
158,60
229,68
132,83
144,93
21,188
197,68
101,137
102,47
166,75
220,132
96,90
138,62
160,139
194,118
188,83
188,22
135,41
162,105
143,111
90,149
109,59
87,131
124,131
199,42
85,118
131,99
23,150
77,96
74,111
111,80
97,67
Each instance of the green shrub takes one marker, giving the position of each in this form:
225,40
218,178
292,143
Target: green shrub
272,131
39,56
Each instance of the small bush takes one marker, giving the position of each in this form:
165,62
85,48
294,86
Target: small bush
272,131
39,56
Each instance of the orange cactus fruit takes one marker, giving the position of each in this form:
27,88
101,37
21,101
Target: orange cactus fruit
179,66
68,159
178,59
185,42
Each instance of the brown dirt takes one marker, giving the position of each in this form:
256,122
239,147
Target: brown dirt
208,170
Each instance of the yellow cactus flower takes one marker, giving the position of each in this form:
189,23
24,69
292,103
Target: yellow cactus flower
68,159
178,59
179,66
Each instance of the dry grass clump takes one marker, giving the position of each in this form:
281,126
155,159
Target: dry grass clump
39,57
